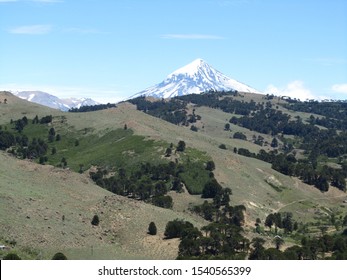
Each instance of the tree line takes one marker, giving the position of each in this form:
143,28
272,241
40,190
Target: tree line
92,108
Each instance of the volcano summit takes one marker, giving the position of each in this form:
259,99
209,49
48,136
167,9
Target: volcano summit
196,77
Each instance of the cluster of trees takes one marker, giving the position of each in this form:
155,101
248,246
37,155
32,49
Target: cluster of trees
308,172
335,113
91,108
8,139
306,169
173,110
20,143
269,121
147,182
216,100
261,117
333,247
221,239
322,142
281,220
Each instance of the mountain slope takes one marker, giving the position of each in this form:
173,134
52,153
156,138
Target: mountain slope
52,210
54,102
16,108
44,193
195,77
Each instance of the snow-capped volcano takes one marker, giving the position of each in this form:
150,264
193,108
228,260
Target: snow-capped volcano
52,101
196,77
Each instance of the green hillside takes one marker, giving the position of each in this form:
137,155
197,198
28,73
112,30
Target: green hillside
99,144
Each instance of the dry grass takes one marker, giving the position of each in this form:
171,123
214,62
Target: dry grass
35,198
44,194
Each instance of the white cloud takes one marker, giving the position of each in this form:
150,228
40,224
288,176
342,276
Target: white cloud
31,29
294,89
340,88
191,37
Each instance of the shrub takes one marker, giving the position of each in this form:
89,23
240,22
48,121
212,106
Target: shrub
12,256
95,221
239,135
59,256
176,228
181,146
211,189
164,201
152,228
222,146
210,166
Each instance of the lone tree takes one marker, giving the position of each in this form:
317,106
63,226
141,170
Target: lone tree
152,229
59,256
211,189
95,221
210,166
181,146
168,152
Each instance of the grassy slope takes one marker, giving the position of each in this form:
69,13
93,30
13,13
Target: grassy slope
246,176
252,182
34,198
17,108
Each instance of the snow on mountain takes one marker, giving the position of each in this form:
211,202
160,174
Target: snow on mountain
79,102
52,101
196,77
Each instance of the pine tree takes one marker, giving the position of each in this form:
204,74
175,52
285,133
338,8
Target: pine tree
95,221
59,256
181,146
152,229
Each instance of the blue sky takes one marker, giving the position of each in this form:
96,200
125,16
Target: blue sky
112,49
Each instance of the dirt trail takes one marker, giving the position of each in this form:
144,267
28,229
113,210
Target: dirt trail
308,199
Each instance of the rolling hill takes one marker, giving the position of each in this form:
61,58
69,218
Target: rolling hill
35,197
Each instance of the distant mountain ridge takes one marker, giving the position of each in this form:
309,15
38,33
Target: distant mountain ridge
54,102
196,77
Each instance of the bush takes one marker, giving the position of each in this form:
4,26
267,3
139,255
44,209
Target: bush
152,228
211,189
164,201
222,146
239,135
210,166
181,146
59,256
176,228
12,256
95,221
